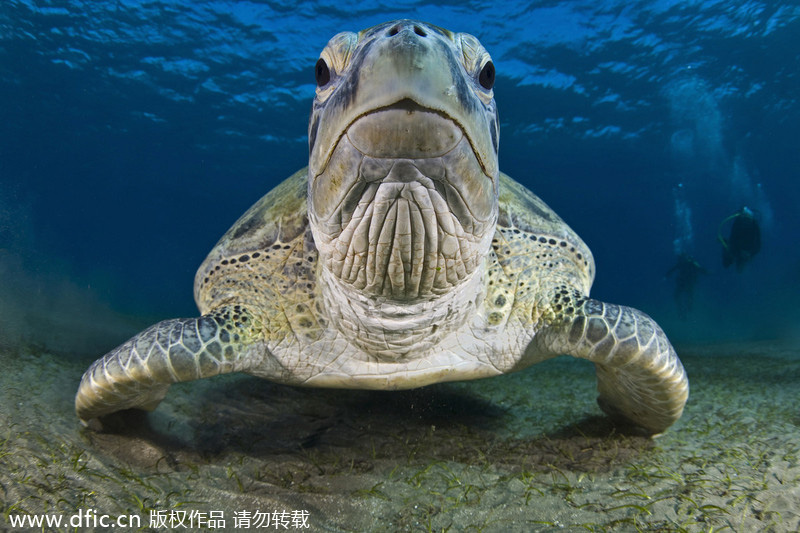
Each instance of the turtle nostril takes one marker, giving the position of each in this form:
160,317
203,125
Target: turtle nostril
400,27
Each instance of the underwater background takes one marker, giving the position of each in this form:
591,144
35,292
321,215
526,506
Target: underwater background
134,133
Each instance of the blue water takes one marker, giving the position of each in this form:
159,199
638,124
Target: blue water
134,133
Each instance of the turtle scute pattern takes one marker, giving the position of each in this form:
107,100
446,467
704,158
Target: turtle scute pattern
139,372
639,376
536,264
268,262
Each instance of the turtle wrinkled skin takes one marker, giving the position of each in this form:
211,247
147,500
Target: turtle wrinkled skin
401,256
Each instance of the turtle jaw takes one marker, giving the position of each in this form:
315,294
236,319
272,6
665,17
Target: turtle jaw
405,142
403,211
404,130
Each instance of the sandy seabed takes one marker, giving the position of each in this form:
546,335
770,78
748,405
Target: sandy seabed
525,452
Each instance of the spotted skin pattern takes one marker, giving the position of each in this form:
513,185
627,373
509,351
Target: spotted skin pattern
270,306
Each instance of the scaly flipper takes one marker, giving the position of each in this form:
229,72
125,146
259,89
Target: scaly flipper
139,372
639,375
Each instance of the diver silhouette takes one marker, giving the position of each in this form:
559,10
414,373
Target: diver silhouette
686,270
744,240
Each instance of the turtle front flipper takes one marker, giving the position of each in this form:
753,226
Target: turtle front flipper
139,372
639,375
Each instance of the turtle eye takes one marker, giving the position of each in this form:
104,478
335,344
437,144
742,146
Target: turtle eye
486,77
322,73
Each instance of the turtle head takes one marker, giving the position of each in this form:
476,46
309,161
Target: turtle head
403,168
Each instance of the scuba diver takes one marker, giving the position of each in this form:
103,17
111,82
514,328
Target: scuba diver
686,270
744,240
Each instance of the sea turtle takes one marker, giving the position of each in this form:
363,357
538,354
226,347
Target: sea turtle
401,256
